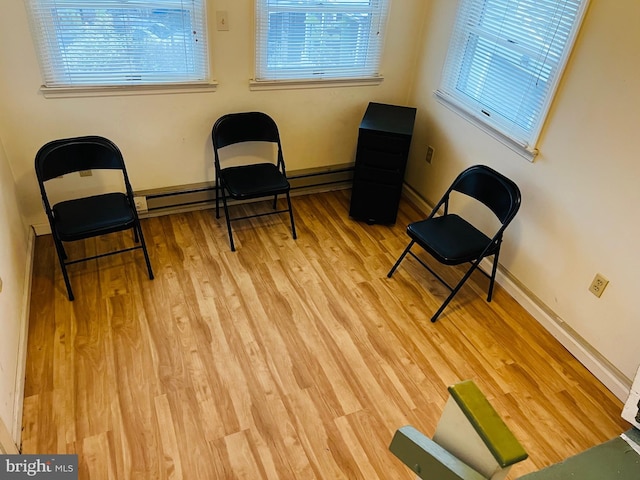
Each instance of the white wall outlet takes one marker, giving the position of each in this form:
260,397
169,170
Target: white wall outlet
140,203
429,157
598,285
222,20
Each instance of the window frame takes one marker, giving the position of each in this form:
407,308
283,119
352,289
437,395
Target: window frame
263,80
487,117
58,82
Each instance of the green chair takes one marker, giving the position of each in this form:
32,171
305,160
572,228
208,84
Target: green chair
471,441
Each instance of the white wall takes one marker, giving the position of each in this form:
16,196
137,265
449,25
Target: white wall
13,266
166,138
580,196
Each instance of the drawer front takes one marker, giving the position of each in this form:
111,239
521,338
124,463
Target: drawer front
378,175
382,151
374,202
384,142
379,159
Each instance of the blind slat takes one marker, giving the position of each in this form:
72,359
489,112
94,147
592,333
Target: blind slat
314,39
109,42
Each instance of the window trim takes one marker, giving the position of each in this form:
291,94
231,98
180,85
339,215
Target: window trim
448,101
126,90
256,85
528,150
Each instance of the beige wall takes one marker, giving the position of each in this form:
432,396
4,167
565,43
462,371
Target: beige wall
13,270
580,196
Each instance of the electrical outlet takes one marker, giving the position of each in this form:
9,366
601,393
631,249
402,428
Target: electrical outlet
429,155
86,173
141,203
598,285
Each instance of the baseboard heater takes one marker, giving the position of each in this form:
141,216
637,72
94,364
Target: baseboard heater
199,196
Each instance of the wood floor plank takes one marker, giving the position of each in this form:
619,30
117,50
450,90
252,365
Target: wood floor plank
95,460
285,359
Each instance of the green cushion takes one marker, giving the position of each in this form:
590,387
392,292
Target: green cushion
494,432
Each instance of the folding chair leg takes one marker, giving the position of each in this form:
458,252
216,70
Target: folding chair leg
275,201
492,279
454,291
61,256
404,254
226,215
218,198
144,249
67,283
59,247
293,225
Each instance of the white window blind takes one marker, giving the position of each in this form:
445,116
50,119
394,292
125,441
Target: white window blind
505,60
126,42
319,39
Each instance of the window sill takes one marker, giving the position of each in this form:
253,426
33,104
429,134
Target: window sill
327,83
124,90
527,153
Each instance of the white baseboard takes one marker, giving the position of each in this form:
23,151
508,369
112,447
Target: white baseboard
16,428
41,229
7,446
585,353
201,196
45,228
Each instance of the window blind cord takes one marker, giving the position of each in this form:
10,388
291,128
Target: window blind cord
549,43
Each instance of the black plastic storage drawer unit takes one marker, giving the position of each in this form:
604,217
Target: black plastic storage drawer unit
381,158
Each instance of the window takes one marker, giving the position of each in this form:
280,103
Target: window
504,63
115,43
319,39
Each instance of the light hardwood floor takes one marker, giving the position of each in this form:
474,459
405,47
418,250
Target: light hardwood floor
284,360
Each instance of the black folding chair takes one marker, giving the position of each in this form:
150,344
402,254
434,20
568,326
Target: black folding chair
251,181
88,216
453,240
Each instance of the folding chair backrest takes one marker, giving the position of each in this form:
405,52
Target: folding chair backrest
493,189
60,157
244,127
